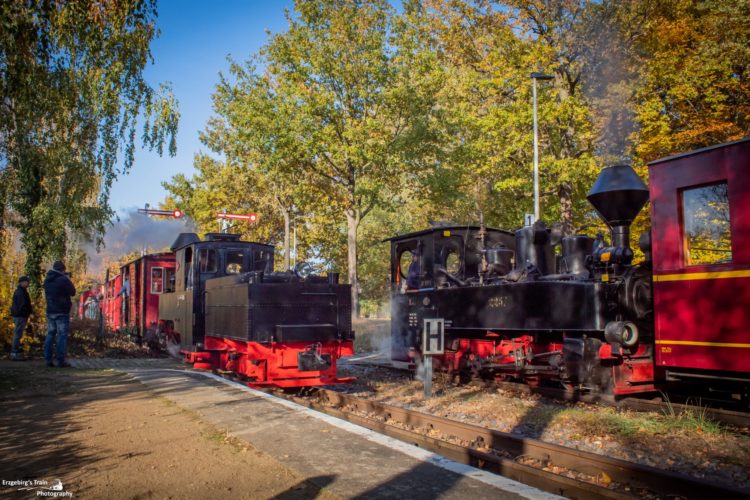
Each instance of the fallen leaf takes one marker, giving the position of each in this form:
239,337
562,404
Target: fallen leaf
604,479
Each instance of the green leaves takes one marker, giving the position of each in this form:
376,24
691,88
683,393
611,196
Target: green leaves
71,77
360,122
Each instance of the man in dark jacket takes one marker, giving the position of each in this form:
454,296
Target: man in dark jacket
20,311
58,289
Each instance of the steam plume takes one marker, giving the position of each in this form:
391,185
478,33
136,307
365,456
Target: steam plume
135,232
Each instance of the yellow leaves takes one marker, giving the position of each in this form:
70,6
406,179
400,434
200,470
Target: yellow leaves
690,64
603,479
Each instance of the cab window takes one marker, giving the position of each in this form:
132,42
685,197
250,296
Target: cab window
453,262
261,260
207,259
404,261
234,262
707,236
188,268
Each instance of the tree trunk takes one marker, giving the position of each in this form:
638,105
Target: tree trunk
352,222
565,192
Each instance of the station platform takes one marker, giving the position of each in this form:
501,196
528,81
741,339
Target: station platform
339,457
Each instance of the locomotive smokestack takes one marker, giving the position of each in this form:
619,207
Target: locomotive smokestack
618,195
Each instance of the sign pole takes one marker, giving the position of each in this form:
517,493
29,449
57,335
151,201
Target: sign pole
427,362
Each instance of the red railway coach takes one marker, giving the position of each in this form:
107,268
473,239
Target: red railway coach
701,256
111,304
132,297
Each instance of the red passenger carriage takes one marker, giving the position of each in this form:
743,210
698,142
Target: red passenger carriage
131,301
700,212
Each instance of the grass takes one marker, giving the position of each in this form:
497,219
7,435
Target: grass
627,424
83,340
693,418
217,436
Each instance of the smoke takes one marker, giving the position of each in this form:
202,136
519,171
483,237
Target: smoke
609,81
173,349
135,232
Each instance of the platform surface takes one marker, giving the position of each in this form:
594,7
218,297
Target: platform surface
346,460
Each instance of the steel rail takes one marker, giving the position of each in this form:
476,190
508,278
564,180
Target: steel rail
506,450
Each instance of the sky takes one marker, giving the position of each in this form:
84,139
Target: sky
196,38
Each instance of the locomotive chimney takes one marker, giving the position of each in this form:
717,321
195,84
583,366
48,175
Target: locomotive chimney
618,195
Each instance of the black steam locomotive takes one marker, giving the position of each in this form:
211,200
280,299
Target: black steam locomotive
535,304
231,312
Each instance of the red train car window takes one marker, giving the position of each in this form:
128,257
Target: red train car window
157,280
169,280
706,233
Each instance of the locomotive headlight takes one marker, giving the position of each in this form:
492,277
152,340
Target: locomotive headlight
303,270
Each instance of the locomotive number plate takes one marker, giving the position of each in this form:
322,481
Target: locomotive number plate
499,301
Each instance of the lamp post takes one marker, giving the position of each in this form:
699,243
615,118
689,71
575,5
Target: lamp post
534,77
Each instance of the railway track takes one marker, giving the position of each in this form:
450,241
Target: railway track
557,469
722,415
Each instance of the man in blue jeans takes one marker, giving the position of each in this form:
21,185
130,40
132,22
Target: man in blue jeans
58,289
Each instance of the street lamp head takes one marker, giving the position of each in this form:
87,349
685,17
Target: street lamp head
536,75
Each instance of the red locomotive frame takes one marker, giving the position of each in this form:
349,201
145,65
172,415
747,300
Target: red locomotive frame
273,365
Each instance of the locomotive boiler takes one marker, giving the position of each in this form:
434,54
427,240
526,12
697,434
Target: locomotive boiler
535,304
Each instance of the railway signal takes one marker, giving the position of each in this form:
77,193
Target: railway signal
224,218
177,213
247,217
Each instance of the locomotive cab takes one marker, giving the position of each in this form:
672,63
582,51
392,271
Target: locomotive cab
182,309
446,256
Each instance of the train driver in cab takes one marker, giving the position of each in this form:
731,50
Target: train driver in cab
412,276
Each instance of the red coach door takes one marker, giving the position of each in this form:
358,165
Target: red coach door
700,214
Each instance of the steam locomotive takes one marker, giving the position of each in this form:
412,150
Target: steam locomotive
544,307
220,300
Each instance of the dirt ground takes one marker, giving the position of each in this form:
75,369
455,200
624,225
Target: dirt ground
106,436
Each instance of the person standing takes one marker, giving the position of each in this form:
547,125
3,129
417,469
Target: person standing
58,289
20,311
124,302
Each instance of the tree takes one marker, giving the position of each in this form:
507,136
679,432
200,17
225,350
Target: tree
255,130
219,185
489,50
73,90
693,61
338,106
